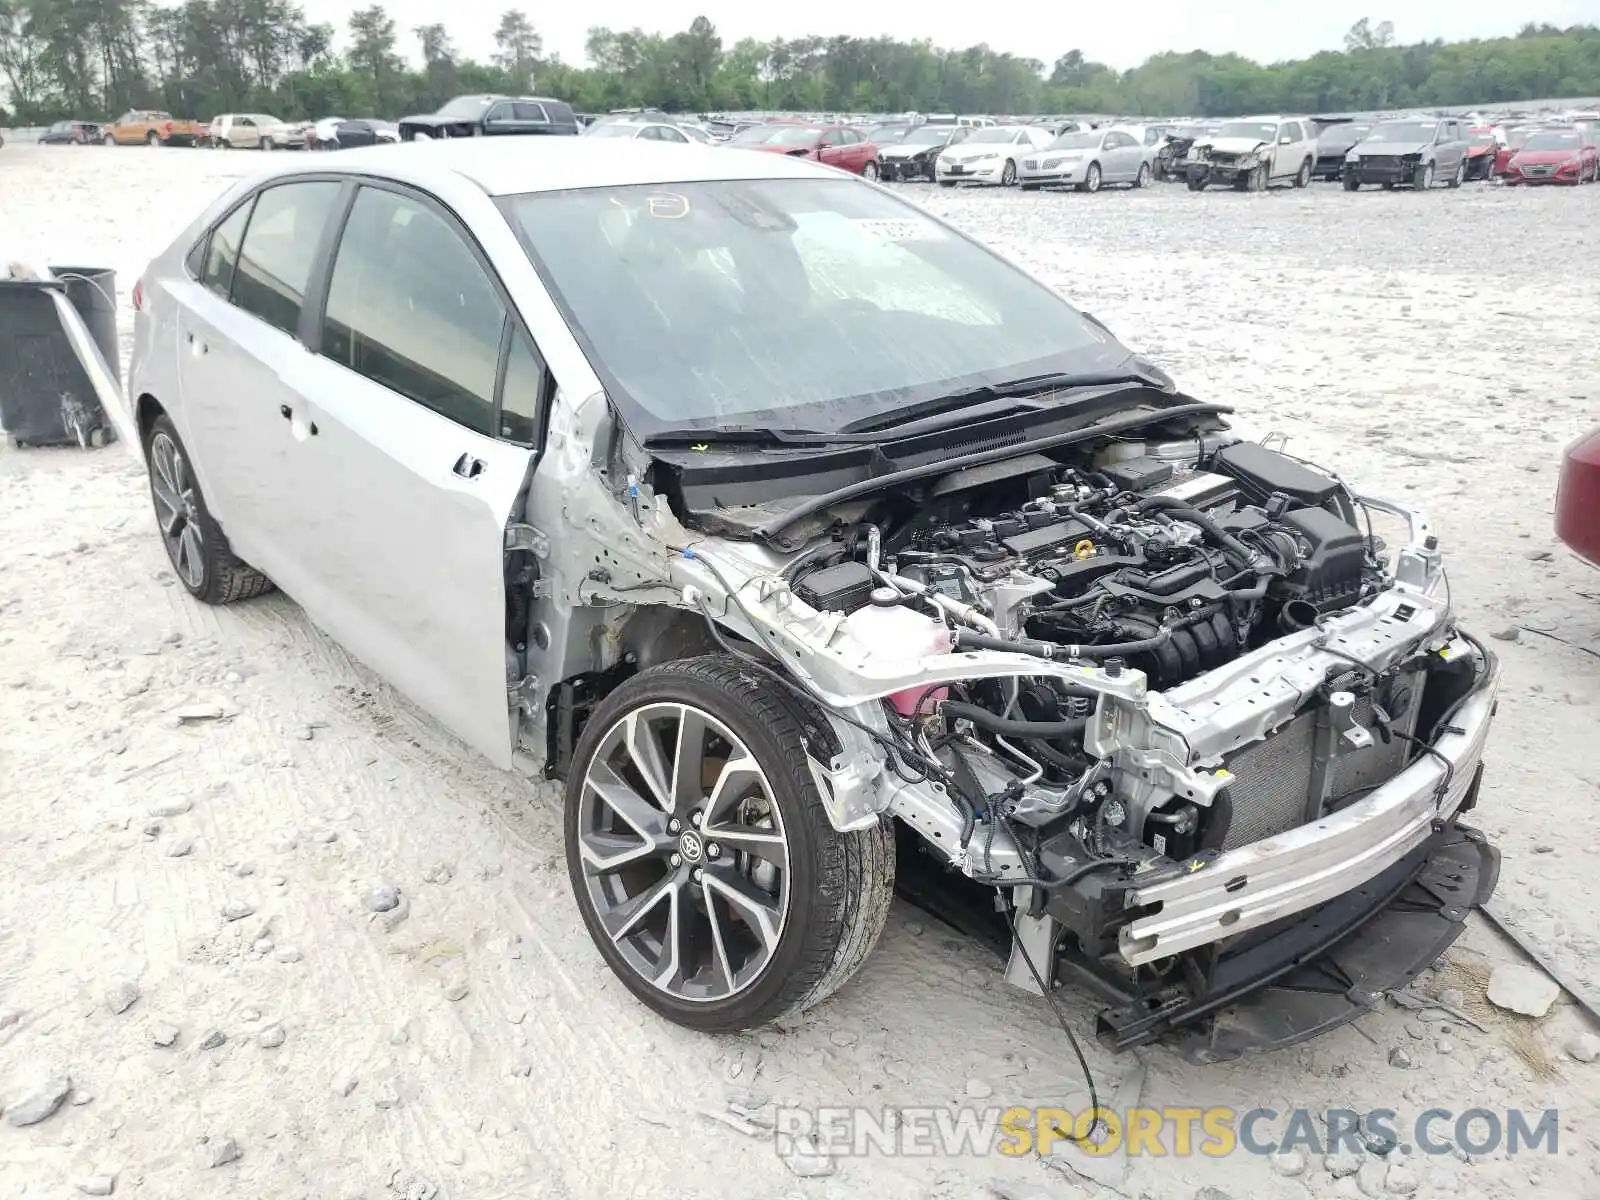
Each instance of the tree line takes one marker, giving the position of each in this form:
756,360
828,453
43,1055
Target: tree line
94,58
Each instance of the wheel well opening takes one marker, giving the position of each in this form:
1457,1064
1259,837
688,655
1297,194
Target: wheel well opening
146,412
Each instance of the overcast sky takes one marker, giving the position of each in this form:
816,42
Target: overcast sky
1266,30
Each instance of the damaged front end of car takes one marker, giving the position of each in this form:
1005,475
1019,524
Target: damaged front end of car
1160,689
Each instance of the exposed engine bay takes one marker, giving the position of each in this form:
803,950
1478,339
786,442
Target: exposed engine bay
1224,659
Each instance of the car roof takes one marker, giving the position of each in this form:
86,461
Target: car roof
550,164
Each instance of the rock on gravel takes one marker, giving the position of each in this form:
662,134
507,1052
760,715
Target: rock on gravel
1342,1164
98,1185
123,996
1291,1164
181,848
806,1159
37,1099
213,1040
383,897
164,1033
271,1037
1522,990
220,1151
171,808
1400,1181
1584,1048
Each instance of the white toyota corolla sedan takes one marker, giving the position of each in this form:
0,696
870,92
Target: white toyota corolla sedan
788,525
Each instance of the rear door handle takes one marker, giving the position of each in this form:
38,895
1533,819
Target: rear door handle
468,467
287,413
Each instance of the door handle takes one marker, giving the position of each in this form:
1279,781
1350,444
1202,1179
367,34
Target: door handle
196,344
287,414
468,467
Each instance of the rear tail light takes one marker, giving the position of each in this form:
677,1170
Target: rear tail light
138,296
169,126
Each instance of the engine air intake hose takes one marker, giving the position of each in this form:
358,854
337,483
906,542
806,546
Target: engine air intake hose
970,639
1194,516
1005,727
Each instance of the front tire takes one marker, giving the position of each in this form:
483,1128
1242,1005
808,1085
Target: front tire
1142,179
1460,176
703,862
1091,179
196,546
1303,179
1008,174
1422,177
1352,184
108,140
870,172
153,138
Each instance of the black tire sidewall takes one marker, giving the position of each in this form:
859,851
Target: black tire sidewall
798,805
210,532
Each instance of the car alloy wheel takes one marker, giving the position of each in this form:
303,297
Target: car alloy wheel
690,881
702,860
177,510
1304,178
1425,181
1142,179
870,172
1008,174
1091,178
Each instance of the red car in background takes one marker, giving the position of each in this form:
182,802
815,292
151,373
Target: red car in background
1555,156
836,145
1578,498
1515,140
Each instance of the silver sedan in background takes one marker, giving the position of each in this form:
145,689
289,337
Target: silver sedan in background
1088,161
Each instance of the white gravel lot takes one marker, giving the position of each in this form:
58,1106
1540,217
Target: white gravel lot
1440,348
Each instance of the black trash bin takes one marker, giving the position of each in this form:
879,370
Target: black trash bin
46,397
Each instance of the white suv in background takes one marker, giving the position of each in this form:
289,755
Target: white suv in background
250,131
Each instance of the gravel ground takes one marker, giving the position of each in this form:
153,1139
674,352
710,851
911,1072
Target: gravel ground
198,804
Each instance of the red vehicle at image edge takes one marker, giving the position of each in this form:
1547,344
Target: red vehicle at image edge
833,145
1578,497
1564,156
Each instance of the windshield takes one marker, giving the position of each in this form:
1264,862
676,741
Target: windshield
1483,140
1553,140
993,134
1344,134
612,131
1076,141
1517,138
1258,131
888,135
776,135
926,137
1405,131
788,303
463,107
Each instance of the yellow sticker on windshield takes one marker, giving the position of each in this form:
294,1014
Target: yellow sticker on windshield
668,206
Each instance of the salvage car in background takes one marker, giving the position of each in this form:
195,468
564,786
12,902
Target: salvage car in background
646,130
914,155
1333,143
252,131
1172,156
493,116
151,127
791,526
1086,161
1483,146
364,131
70,133
1554,156
1415,152
1578,498
990,154
832,145
1253,154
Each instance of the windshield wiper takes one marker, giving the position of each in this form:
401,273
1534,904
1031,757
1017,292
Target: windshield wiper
965,405
743,435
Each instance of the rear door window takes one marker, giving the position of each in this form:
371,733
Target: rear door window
279,248
222,251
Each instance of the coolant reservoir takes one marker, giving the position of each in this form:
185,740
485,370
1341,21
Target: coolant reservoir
896,631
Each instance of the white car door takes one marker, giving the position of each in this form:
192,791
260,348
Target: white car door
421,409
238,329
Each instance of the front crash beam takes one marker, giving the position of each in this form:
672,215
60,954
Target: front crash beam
1328,966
